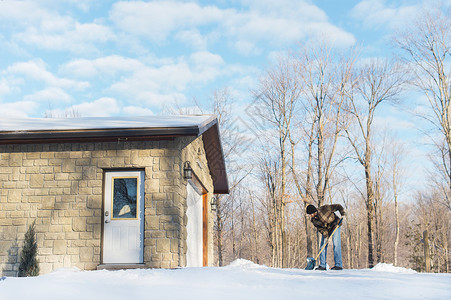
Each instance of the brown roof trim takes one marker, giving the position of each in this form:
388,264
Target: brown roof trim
87,140
215,158
18,136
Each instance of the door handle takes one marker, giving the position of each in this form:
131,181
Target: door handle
107,213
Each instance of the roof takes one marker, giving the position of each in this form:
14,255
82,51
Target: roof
30,125
64,130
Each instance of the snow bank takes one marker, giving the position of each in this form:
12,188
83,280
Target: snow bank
243,264
383,267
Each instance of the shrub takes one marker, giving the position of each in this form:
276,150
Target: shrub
29,264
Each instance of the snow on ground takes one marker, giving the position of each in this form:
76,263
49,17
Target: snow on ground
242,279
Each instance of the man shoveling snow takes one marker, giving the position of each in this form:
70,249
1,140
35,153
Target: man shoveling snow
328,224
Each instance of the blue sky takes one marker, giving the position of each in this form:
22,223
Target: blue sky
108,58
134,58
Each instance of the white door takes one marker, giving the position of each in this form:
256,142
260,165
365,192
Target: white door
194,227
123,230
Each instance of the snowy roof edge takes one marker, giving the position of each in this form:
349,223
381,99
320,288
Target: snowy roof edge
10,125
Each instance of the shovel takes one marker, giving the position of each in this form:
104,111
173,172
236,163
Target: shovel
311,262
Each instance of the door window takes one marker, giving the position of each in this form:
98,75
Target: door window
125,193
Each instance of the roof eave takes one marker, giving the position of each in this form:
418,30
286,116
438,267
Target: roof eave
215,158
101,134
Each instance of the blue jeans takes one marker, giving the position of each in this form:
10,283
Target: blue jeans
336,240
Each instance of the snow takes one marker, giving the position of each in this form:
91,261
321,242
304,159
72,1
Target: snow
33,124
390,268
241,279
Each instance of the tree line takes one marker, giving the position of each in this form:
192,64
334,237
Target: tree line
312,136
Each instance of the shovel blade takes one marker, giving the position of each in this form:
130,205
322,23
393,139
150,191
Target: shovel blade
311,262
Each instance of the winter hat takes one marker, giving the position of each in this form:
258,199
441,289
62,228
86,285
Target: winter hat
311,209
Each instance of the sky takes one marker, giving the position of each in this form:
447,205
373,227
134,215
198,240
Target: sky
240,280
130,58
90,58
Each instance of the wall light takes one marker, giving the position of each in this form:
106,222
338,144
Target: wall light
187,171
213,204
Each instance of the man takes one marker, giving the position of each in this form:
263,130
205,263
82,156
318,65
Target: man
325,220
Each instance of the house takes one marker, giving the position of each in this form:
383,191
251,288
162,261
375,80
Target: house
110,192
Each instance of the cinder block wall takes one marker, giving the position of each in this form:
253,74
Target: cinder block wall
60,186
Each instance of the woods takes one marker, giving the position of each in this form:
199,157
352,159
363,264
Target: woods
317,139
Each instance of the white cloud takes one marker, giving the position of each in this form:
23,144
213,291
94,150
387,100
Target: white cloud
325,31
206,66
246,47
193,38
40,25
281,23
253,26
165,79
159,100
19,109
137,111
104,66
376,13
83,5
4,87
168,81
157,20
66,35
36,69
395,123
50,94
262,22
24,13
102,107
206,58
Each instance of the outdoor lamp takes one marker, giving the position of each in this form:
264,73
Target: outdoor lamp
213,204
187,171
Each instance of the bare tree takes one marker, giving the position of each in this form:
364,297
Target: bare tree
397,152
233,140
323,72
427,48
377,82
430,215
278,93
380,190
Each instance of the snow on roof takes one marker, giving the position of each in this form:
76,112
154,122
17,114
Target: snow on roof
50,124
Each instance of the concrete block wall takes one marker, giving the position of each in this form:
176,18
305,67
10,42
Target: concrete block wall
61,187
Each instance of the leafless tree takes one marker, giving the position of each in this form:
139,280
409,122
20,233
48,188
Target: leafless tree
427,48
396,153
377,82
323,73
430,215
228,207
277,95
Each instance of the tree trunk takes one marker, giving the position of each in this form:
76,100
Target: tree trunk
349,250
254,227
370,238
369,191
427,257
397,227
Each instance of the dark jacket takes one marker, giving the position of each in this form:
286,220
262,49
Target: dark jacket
326,219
